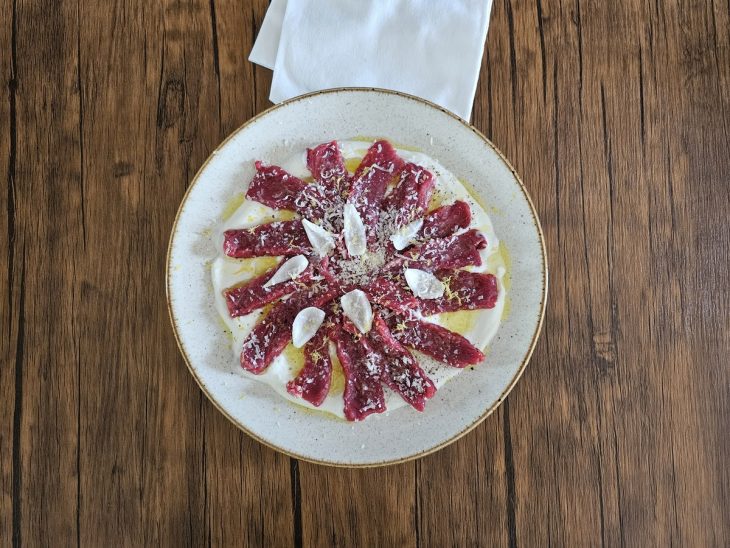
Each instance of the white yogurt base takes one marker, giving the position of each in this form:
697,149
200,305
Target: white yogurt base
478,326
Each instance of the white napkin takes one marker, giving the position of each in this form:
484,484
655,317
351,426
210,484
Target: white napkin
267,42
429,48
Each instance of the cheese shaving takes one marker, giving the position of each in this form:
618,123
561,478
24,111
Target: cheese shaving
406,235
356,307
289,270
321,240
354,231
424,284
305,325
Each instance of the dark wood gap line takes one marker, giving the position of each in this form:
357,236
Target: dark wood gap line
296,497
81,122
83,232
579,29
417,513
489,96
641,100
17,484
160,99
600,501
77,340
18,416
618,487
674,489
510,472
609,236
204,465
254,35
541,29
216,60
512,58
12,162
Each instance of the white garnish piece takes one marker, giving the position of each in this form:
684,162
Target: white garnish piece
354,231
406,235
289,270
305,325
357,308
322,241
424,284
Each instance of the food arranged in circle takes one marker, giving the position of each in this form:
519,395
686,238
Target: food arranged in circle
356,279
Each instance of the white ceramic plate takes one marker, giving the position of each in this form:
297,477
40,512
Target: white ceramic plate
403,433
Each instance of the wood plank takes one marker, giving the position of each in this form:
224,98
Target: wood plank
47,246
148,84
690,275
9,293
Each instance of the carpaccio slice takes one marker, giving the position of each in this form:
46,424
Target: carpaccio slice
274,187
410,197
279,189
253,295
390,294
401,371
269,337
464,291
313,381
363,369
452,252
378,167
272,239
446,220
327,166
436,341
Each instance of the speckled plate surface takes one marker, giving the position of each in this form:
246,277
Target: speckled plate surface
404,433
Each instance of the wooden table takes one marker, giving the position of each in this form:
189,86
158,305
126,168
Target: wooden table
617,115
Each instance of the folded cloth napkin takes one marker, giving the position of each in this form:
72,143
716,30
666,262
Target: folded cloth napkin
429,48
267,42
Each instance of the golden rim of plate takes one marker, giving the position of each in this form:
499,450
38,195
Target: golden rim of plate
535,335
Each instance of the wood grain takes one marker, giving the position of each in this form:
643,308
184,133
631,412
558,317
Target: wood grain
617,116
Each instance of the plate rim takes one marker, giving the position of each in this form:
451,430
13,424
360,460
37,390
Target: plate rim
535,336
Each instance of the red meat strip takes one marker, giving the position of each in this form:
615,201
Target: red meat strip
464,291
269,337
327,166
253,295
393,295
451,252
278,238
436,341
378,167
276,188
411,194
446,220
363,369
313,381
401,371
